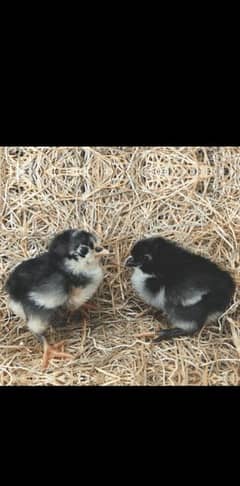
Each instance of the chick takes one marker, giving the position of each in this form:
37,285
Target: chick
68,274
189,288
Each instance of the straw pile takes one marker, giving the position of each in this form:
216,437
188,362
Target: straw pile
188,194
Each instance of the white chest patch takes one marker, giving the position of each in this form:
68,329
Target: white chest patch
49,300
80,295
139,283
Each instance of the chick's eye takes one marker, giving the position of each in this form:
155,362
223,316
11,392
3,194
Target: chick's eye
147,258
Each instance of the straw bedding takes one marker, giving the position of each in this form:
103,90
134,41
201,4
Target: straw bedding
188,194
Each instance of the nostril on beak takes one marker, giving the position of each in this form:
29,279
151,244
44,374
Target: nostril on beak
98,249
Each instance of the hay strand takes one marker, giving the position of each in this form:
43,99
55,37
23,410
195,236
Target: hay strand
188,194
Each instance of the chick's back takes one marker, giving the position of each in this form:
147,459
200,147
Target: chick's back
35,275
188,275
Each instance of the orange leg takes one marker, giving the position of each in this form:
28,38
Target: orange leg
53,351
83,311
87,306
145,334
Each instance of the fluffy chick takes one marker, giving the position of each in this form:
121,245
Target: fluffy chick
69,273
189,288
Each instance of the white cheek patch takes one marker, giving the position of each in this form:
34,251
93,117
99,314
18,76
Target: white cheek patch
75,266
49,300
82,264
139,283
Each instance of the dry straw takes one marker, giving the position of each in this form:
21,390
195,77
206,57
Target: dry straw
188,194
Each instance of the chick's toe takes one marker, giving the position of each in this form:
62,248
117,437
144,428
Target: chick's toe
53,351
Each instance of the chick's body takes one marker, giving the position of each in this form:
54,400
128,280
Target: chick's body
68,274
190,289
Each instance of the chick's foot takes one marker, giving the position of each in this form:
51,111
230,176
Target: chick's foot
53,351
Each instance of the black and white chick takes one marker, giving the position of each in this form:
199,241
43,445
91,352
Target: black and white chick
68,274
190,289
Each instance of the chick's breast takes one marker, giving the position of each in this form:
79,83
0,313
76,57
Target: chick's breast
80,294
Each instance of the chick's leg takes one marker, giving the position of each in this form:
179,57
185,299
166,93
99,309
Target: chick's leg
38,326
184,321
53,351
171,333
89,306
183,328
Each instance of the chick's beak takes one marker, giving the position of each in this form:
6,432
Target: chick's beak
129,262
101,252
